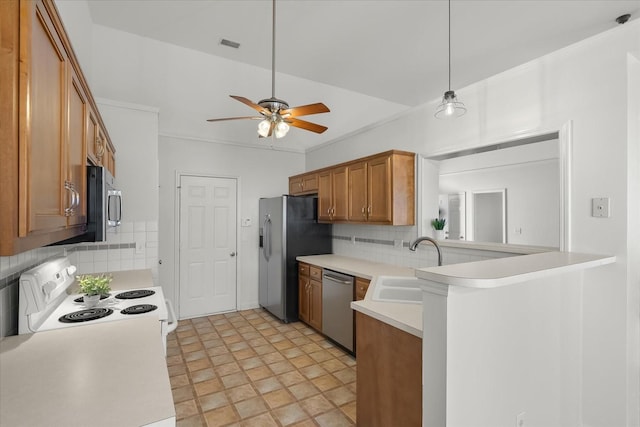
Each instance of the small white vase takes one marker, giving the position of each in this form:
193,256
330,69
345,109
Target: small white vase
91,300
439,234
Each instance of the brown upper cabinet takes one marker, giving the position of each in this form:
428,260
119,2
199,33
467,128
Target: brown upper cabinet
303,184
378,189
44,105
333,193
100,151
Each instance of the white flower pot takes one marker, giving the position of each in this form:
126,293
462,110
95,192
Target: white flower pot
438,234
91,300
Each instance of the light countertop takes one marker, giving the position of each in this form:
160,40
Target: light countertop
480,275
404,316
507,271
107,374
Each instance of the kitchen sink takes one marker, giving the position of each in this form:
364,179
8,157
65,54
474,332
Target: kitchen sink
397,289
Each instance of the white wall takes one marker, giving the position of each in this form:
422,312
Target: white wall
261,173
572,84
532,198
515,349
190,87
76,18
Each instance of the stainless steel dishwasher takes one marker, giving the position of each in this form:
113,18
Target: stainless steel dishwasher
337,316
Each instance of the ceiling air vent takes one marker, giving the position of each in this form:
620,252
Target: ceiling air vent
230,43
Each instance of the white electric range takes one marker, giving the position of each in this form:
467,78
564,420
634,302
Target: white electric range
44,303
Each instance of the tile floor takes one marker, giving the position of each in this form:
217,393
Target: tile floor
249,369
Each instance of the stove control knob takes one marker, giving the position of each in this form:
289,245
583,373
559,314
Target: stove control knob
49,287
71,270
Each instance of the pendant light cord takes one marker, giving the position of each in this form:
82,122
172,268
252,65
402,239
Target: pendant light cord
449,44
273,52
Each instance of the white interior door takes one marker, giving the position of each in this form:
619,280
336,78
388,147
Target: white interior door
207,245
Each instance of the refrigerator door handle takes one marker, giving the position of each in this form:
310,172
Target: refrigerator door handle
267,237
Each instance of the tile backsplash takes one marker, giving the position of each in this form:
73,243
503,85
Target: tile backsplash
390,245
132,246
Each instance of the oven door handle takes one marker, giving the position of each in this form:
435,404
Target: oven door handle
172,324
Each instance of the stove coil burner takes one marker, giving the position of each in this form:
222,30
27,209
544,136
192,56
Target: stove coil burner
86,315
81,299
135,294
139,309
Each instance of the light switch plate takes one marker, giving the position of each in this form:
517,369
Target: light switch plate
600,207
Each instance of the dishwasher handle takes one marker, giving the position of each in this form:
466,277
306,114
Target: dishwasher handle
336,279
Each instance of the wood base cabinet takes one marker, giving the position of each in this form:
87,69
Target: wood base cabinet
362,285
310,295
389,377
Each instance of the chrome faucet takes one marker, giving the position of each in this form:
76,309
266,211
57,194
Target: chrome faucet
414,245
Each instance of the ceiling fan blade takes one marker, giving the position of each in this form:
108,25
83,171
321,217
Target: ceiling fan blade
237,118
251,104
305,110
306,125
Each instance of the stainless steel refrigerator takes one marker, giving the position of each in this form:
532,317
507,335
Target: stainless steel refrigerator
288,228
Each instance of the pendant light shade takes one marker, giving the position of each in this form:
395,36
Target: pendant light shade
450,107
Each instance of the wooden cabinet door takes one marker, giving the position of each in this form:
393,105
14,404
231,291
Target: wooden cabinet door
76,150
315,311
379,187
361,288
324,196
110,159
310,183
340,193
43,135
304,299
93,138
387,397
358,192
295,186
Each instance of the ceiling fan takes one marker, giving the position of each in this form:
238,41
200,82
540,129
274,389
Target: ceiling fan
275,114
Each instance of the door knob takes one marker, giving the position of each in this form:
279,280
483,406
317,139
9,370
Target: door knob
232,254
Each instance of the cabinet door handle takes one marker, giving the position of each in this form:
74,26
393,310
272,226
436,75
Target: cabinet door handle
369,210
77,197
364,215
69,209
99,147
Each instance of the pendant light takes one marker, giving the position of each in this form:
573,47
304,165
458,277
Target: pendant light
450,106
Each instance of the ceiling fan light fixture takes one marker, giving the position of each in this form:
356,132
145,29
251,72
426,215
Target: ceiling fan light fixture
282,128
263,128
450,106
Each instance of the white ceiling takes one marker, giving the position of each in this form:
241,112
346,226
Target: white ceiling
393,50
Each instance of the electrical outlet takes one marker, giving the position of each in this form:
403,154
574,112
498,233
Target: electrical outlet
520,420
139,247
398,243
600,207
353,239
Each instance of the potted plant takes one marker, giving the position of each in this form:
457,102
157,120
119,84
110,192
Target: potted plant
93,287
438,225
